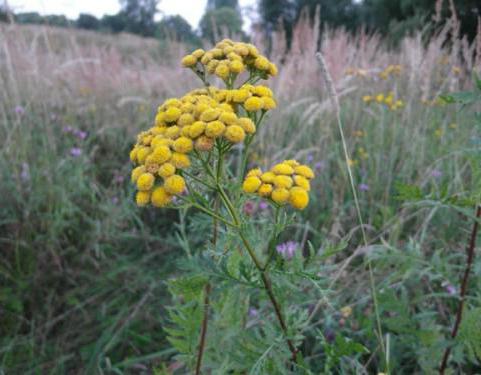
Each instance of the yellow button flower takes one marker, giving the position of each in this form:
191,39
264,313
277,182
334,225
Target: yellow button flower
268,177
189,60
235,134
240,96
160,155
136,172
253,104
298,198
280,195
204,143
160,197
269,103
142,198
282,168
283,181
256,172
261,63
251,184
228,118
197,128
214,129
166,170
142,154
172,114
236,66
265,190
179,160
302,182
210,115
183,145
174,184
273,69
247,124
185,119
145,181
304,171
222,71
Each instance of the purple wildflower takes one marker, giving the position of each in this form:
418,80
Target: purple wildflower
309,158
287,249
263,206
80,134
119,179
75,152
363,187
19,110
115,200
319,166
435,173
25,173
67,129
330,335
253,313
249,208
449,288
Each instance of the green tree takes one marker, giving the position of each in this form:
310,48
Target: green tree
140,15
220,21
57,20
114,23
88,22
333,13
216,4
176,27
29,18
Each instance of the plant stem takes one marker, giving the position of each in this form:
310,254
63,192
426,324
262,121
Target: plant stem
464,288
205,319
268,287
203,331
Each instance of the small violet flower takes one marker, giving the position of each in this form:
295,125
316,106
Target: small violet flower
80,134
249,208
75,152
253,312
263,206
19,110
363,187
287,249
435,173
25,173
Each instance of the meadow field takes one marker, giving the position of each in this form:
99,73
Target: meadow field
84,271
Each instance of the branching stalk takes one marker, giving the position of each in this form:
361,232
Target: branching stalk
464,287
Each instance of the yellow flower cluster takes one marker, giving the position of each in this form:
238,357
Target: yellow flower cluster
391,70
387,100
194,121
286,182
252,98
228,59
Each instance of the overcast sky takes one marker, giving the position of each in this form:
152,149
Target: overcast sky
191,10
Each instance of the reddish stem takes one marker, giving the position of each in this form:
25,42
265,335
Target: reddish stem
464,286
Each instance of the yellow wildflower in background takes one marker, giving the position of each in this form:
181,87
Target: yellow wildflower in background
286,182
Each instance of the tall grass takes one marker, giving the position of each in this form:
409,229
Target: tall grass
82,269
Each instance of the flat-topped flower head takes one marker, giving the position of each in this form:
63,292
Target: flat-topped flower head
285,183
228,59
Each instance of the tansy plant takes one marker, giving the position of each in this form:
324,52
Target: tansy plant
195,157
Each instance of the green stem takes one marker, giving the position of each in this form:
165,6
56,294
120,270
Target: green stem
208,212
270,292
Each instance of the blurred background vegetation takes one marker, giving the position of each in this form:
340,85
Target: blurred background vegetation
393,19
83,270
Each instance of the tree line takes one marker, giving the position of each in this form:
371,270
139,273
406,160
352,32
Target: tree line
393,18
